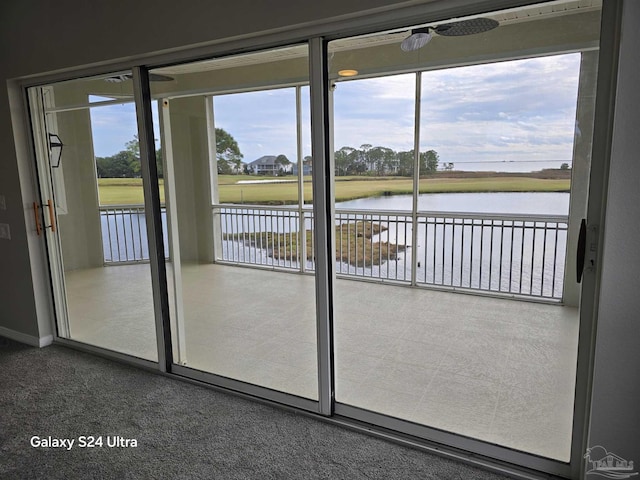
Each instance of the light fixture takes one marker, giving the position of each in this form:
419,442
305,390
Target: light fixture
347,72
55,155
421,36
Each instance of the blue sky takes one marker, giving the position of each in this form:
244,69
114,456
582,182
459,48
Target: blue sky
512,115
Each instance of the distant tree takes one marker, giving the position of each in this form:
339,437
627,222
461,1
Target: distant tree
365,158
102,167
283,163
228,152
121,165
224,167
381,159
429,162
343,159
126,163
405,163
448,166
132,147
564,166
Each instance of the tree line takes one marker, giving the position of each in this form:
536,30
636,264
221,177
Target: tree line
125,163
365,160
370,160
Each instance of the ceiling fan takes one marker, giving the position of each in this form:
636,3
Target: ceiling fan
421,36
153,77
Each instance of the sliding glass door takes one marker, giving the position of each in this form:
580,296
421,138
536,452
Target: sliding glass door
92,213
236,177
429,288
461,154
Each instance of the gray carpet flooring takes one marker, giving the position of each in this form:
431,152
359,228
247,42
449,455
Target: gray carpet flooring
183,431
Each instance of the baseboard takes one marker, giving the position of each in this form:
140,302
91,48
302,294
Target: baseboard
26,339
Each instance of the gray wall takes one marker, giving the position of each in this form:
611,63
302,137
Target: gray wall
41,36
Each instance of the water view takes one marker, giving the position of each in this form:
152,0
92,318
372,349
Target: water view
534,203
500,242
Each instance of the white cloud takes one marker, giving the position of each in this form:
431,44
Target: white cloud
512,111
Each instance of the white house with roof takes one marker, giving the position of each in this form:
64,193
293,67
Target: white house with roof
267,165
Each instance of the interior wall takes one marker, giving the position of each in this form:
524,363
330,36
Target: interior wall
615,416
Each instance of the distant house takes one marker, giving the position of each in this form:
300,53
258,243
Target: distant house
267,165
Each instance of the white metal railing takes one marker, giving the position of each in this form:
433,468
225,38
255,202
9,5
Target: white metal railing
507,254
265,236
124,234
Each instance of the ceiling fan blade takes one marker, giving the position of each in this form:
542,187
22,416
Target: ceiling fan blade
153,77
466,27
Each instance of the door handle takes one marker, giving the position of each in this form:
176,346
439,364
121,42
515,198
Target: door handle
52,216
581,251
36,215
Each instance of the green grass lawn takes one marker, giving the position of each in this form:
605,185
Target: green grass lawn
123,191
127,191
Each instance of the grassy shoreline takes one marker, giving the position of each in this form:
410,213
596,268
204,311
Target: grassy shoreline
127,191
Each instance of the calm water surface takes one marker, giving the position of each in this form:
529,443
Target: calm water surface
547,203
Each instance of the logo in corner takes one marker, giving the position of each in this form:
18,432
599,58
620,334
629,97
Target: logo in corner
607,464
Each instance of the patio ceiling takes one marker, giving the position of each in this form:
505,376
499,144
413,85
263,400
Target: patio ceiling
523,32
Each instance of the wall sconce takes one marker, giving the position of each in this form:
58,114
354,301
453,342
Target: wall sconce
55,150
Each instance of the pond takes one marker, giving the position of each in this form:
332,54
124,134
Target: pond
544,203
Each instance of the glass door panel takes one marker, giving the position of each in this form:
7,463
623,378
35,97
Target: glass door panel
86,142
235,138
483,126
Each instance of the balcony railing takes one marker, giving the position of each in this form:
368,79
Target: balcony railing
506,254
503,254
124,234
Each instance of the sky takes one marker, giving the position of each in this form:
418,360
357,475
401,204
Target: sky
508,116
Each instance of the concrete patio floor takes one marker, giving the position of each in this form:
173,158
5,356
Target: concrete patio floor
495,369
